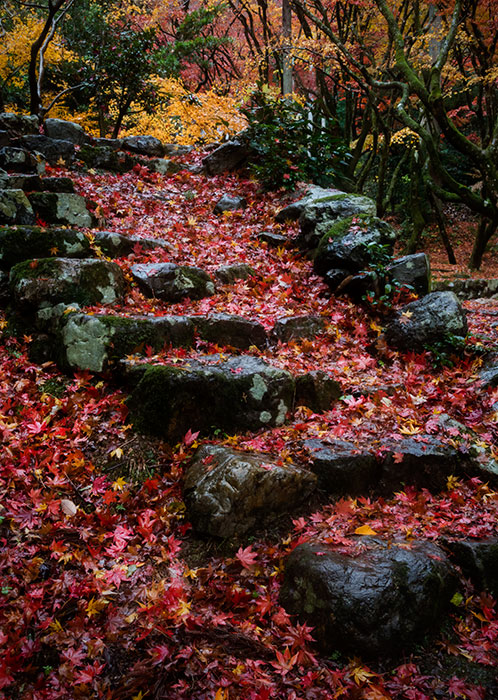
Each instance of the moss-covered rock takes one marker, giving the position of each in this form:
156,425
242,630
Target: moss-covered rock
354,244
106,158
20,243
50,281
63,208
213,392
318,216
95,342
15,208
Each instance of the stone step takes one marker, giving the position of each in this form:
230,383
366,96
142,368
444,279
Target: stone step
211,393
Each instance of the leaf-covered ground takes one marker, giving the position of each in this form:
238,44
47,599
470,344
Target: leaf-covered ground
105,590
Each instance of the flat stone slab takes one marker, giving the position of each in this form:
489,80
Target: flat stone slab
379,602
228,492
50,281
212,392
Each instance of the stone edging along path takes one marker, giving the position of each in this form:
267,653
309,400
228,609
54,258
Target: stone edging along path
229,492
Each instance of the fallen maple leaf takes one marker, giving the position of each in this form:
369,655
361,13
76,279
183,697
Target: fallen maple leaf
364,530
246,557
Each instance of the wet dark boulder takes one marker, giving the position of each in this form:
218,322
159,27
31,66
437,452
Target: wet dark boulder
343,469
317,391
379,602
436,320
228,492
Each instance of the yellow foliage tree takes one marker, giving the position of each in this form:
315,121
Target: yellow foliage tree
189,118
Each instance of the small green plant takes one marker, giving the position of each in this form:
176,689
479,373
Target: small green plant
446,350
294,144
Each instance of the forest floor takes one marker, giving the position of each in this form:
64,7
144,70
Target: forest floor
107,593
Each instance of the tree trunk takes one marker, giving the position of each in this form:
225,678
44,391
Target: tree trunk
484,232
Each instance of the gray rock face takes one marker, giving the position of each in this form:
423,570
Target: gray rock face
229,156
413,271
434,319
296,327
110,144
53,150
228,274
230,393
34,183
144,145
172,282
94,342
230,330
478,560
65,131
15,208
19,160
4,181
228,492
229,203
63,208
293,211
318,216
19,124
354,244
50,281
317,391
381,602
342,468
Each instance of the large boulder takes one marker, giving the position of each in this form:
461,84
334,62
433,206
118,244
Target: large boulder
354,244
412,271
436,320
63,208
65,131
229,156
319,215
163,166
230,330
213,392
380,602
20,160
228,492
144,145
50,281
53,150
342,468
15,208
172,282
94,342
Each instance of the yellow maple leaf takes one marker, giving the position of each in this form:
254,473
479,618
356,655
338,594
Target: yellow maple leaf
119,484
364,530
